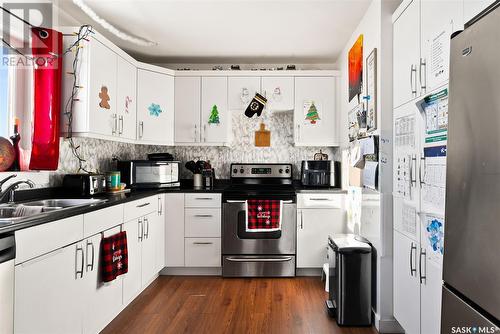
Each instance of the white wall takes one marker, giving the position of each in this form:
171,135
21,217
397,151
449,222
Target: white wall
370,211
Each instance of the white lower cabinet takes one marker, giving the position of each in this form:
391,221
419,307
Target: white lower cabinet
148,249
49,293
313,228
203,252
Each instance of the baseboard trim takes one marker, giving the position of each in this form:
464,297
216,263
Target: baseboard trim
387,325
309,272
199,271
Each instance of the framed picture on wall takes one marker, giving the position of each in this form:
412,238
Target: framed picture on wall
355,63
371,91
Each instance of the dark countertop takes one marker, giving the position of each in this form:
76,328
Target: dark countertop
186,187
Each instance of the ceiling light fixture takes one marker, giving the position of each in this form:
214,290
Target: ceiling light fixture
109,27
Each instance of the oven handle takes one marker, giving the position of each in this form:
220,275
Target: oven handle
239,259
240,201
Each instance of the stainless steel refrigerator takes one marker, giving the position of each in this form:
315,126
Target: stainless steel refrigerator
471,272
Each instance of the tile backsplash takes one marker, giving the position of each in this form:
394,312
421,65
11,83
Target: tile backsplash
99,153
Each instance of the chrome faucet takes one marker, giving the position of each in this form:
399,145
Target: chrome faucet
8,193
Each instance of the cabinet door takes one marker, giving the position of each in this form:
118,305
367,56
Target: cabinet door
215,116
406,283
313,228
148,254
132,280
102,301
174,230
406,54
430,294
203,252
126,99
48,293
187,109
155,107
102,90
241,91
279,92
159,234
439,19
474,7
315,117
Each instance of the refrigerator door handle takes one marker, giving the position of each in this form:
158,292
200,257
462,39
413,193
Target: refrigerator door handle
413,167
423,278
413,271
421,171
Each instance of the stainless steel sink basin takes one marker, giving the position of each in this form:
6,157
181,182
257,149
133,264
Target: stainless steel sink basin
9,215
64,203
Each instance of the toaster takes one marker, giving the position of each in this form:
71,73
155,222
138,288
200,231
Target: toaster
84,184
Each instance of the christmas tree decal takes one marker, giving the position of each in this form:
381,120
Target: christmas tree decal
214,116
312,114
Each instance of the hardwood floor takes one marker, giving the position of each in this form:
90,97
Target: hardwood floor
180,304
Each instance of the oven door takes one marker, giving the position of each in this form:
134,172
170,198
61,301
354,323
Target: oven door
236,241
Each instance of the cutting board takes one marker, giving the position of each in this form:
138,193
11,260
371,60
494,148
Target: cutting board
262,136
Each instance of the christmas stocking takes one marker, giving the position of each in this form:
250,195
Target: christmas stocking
256,106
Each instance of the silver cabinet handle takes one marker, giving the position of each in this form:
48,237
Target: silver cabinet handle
423,83
413,78
195,133
412,270
160,206
298,132
143,205
115,125
141,129
79,272
140,230
301,220
146,234
204,198
120,120
424,276
277,259
203,216
91,265
202,243
322,199
205,133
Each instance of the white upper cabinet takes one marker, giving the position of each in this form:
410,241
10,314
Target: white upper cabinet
474,7
126,99
315,118
279,92
215,117
438,20
187,109
241,91
155,107
406,53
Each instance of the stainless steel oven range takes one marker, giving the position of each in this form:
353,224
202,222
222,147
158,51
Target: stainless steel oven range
258,254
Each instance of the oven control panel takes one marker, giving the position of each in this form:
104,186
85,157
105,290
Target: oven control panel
283,171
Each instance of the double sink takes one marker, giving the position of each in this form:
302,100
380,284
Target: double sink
13,212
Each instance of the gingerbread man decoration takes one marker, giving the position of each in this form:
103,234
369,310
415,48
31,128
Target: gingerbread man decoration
103,95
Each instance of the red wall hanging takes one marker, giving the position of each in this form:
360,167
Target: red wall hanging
47,57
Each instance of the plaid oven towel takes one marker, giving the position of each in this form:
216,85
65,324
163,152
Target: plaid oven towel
114,256
263,215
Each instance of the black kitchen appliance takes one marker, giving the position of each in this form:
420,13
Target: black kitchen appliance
84,184
258,254
149,173
350,272
320,173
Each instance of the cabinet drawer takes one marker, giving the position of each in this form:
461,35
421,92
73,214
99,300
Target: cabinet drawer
140,208
42,239
202,223
203,200
320,200
100,220
202,252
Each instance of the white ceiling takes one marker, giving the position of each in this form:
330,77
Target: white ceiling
230,31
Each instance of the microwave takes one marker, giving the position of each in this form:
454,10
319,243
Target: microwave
149,173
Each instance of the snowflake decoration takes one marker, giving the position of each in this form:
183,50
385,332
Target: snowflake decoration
259,208
155,110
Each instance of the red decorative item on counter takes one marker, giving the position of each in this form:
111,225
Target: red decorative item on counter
46,46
